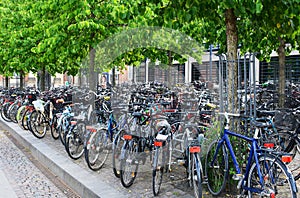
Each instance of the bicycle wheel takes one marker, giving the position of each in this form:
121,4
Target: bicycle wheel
129,164
157,170
196,175
96,150
277,179
116,153
25,118
287,142
74,142
38,124
217,172
53,128
12,113
20,114
4,112
63,129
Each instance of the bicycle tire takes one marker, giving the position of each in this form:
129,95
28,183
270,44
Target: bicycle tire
218,173
25,118
74,142
4,112
38,124
12,112
19,116
280,181
96,150
62,135
63,129
287,143
196,175
116,153
53,128
157,170
129,164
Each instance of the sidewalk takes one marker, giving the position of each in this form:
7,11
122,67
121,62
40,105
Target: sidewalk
5,188
80,180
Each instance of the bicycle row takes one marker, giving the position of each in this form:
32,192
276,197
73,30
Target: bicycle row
152,124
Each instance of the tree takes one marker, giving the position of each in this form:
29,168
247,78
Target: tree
275,26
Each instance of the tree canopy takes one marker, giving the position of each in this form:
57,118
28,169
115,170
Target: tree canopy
59,35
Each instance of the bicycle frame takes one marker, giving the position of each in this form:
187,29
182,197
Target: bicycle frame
254,152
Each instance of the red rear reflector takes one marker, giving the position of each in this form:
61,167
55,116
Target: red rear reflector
272,195
157,143
269,145
169,110
73,122
90,128
30,96
127,137
286,158
195,149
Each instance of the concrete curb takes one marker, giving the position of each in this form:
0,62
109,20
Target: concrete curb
81,181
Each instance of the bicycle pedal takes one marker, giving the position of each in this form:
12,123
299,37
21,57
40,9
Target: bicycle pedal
237,177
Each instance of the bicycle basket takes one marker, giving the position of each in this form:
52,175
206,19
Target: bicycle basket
286,120
38,105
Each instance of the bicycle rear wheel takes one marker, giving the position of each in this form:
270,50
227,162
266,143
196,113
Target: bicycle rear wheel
196,175
129,164
216,171
277,178
158,170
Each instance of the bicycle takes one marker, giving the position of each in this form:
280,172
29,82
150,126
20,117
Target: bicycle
136,145
265,173
170,141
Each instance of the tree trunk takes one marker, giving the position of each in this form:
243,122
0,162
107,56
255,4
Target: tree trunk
21,80
113,77
6,82
281,87
232,42
42,79
92,78
170,67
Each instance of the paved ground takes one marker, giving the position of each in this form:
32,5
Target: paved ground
21,177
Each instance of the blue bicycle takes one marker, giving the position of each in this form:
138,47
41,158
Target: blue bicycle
265,175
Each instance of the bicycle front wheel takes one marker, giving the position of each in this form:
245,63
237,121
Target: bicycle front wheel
74,142
277,179
196,175
38,124
116,154
53,128
216,170
96,150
